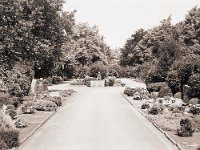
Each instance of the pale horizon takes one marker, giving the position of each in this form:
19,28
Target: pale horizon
119,19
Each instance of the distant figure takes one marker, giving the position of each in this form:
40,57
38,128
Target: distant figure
99,76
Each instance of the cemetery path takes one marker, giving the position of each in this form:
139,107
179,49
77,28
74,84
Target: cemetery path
97,119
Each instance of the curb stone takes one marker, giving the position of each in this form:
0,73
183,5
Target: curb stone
154,124
37,127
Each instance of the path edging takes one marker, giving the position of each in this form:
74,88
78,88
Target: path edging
36,128
154,124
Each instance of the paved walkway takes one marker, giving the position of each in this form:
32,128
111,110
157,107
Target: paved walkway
97,119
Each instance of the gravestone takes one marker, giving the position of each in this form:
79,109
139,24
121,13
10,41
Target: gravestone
33,86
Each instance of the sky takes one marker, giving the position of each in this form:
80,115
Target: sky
117,20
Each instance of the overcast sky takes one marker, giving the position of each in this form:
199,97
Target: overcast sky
118,19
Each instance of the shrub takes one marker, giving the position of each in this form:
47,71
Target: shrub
145,106
177,108
27,98
155,87
177,95
186,128
49,79
156,108
4,99
165,91
153,111
194,83
27,107
56,80
96,68
115,70
194,110
44,105
173,81
57,100
129,91
194,101
20,123
10,137
66,93
81,72
110,81
87,80
8,133
154,77
3,145
11,112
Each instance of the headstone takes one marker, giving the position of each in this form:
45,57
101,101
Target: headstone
33,86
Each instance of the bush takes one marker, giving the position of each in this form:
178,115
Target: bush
194,83
27,98
194,110
18,80
66,93
44,105
8,133
57,100
57,80
154,77
153,111
110,81
87,80
165,91
129,91
20,123
115,70
194,101
174,82
186,128
4,99
3,145
49,79
81,72
145,106
178,95
11,111
96,68
27,107
155,87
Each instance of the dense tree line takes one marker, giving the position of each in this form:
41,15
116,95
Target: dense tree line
38,32
167,53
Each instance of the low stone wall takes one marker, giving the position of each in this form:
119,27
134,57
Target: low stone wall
98,83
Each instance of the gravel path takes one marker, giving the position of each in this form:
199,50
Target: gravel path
97,119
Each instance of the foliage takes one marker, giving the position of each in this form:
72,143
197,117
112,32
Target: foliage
20,123
45,105
66,93
96,68
8,133
56,80
28,107
145,106
130,91
194,83
186,128
57,100
155,87
110,81
194,110
165,91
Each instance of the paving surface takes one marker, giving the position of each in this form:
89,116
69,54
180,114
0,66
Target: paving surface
97,119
